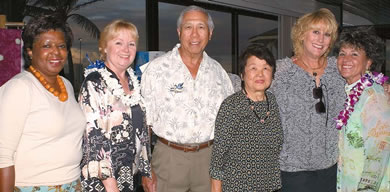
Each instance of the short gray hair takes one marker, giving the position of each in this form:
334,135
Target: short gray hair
210,22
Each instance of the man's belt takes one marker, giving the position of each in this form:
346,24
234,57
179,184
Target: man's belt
186,148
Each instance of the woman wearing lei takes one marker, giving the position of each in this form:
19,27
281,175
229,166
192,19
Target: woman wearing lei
116,141
364,143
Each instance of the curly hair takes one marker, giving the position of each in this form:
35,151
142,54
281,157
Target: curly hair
42,24
259,51
364,38
112,30
307,22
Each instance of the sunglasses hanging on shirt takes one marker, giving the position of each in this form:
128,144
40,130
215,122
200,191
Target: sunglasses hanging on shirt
317,94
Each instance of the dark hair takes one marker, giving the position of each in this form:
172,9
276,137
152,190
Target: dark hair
364,38
39,25
259,51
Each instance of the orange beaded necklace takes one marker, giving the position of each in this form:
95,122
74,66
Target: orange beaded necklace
62,95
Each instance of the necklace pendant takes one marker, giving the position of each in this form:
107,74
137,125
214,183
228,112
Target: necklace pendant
63,96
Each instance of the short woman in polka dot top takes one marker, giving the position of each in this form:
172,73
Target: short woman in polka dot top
248,133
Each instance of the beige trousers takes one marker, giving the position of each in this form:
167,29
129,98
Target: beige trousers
179,171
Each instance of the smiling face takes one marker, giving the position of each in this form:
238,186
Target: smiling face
352,63
120,51
49,53
194,33
257,76
316,41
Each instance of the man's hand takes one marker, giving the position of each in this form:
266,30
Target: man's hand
150,184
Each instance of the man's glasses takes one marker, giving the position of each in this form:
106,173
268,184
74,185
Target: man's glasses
317,94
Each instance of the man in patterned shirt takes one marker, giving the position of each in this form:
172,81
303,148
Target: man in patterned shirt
183,90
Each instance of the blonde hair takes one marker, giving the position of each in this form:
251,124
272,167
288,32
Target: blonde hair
111,30
307,22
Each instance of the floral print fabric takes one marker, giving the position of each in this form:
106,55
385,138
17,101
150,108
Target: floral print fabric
180,108
68,187
365,144
116,140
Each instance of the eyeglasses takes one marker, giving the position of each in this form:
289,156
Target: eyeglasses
317,94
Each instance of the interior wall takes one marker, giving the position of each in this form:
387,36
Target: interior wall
294,8
286,10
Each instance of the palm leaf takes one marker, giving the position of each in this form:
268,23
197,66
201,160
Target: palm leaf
35,11
72,4
44,3
77,7
86,24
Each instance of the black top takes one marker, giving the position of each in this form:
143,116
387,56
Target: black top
247,144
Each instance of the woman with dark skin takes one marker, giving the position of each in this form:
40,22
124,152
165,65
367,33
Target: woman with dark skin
41,124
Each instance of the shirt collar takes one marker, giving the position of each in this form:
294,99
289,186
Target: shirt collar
348,88
204,64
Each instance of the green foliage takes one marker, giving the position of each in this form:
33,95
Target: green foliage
355,139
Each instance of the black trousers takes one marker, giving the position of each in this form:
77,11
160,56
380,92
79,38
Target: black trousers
310,181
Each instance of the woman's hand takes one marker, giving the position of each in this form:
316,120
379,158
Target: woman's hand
386,87
216,185
110,185
7,179
149,184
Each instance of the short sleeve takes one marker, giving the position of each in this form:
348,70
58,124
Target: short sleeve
147,92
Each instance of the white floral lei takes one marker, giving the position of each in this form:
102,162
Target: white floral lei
116,88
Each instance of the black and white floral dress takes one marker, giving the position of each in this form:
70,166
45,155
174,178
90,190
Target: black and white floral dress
116,140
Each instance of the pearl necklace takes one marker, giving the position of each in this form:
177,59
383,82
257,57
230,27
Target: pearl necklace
62,95
365,81
114,86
